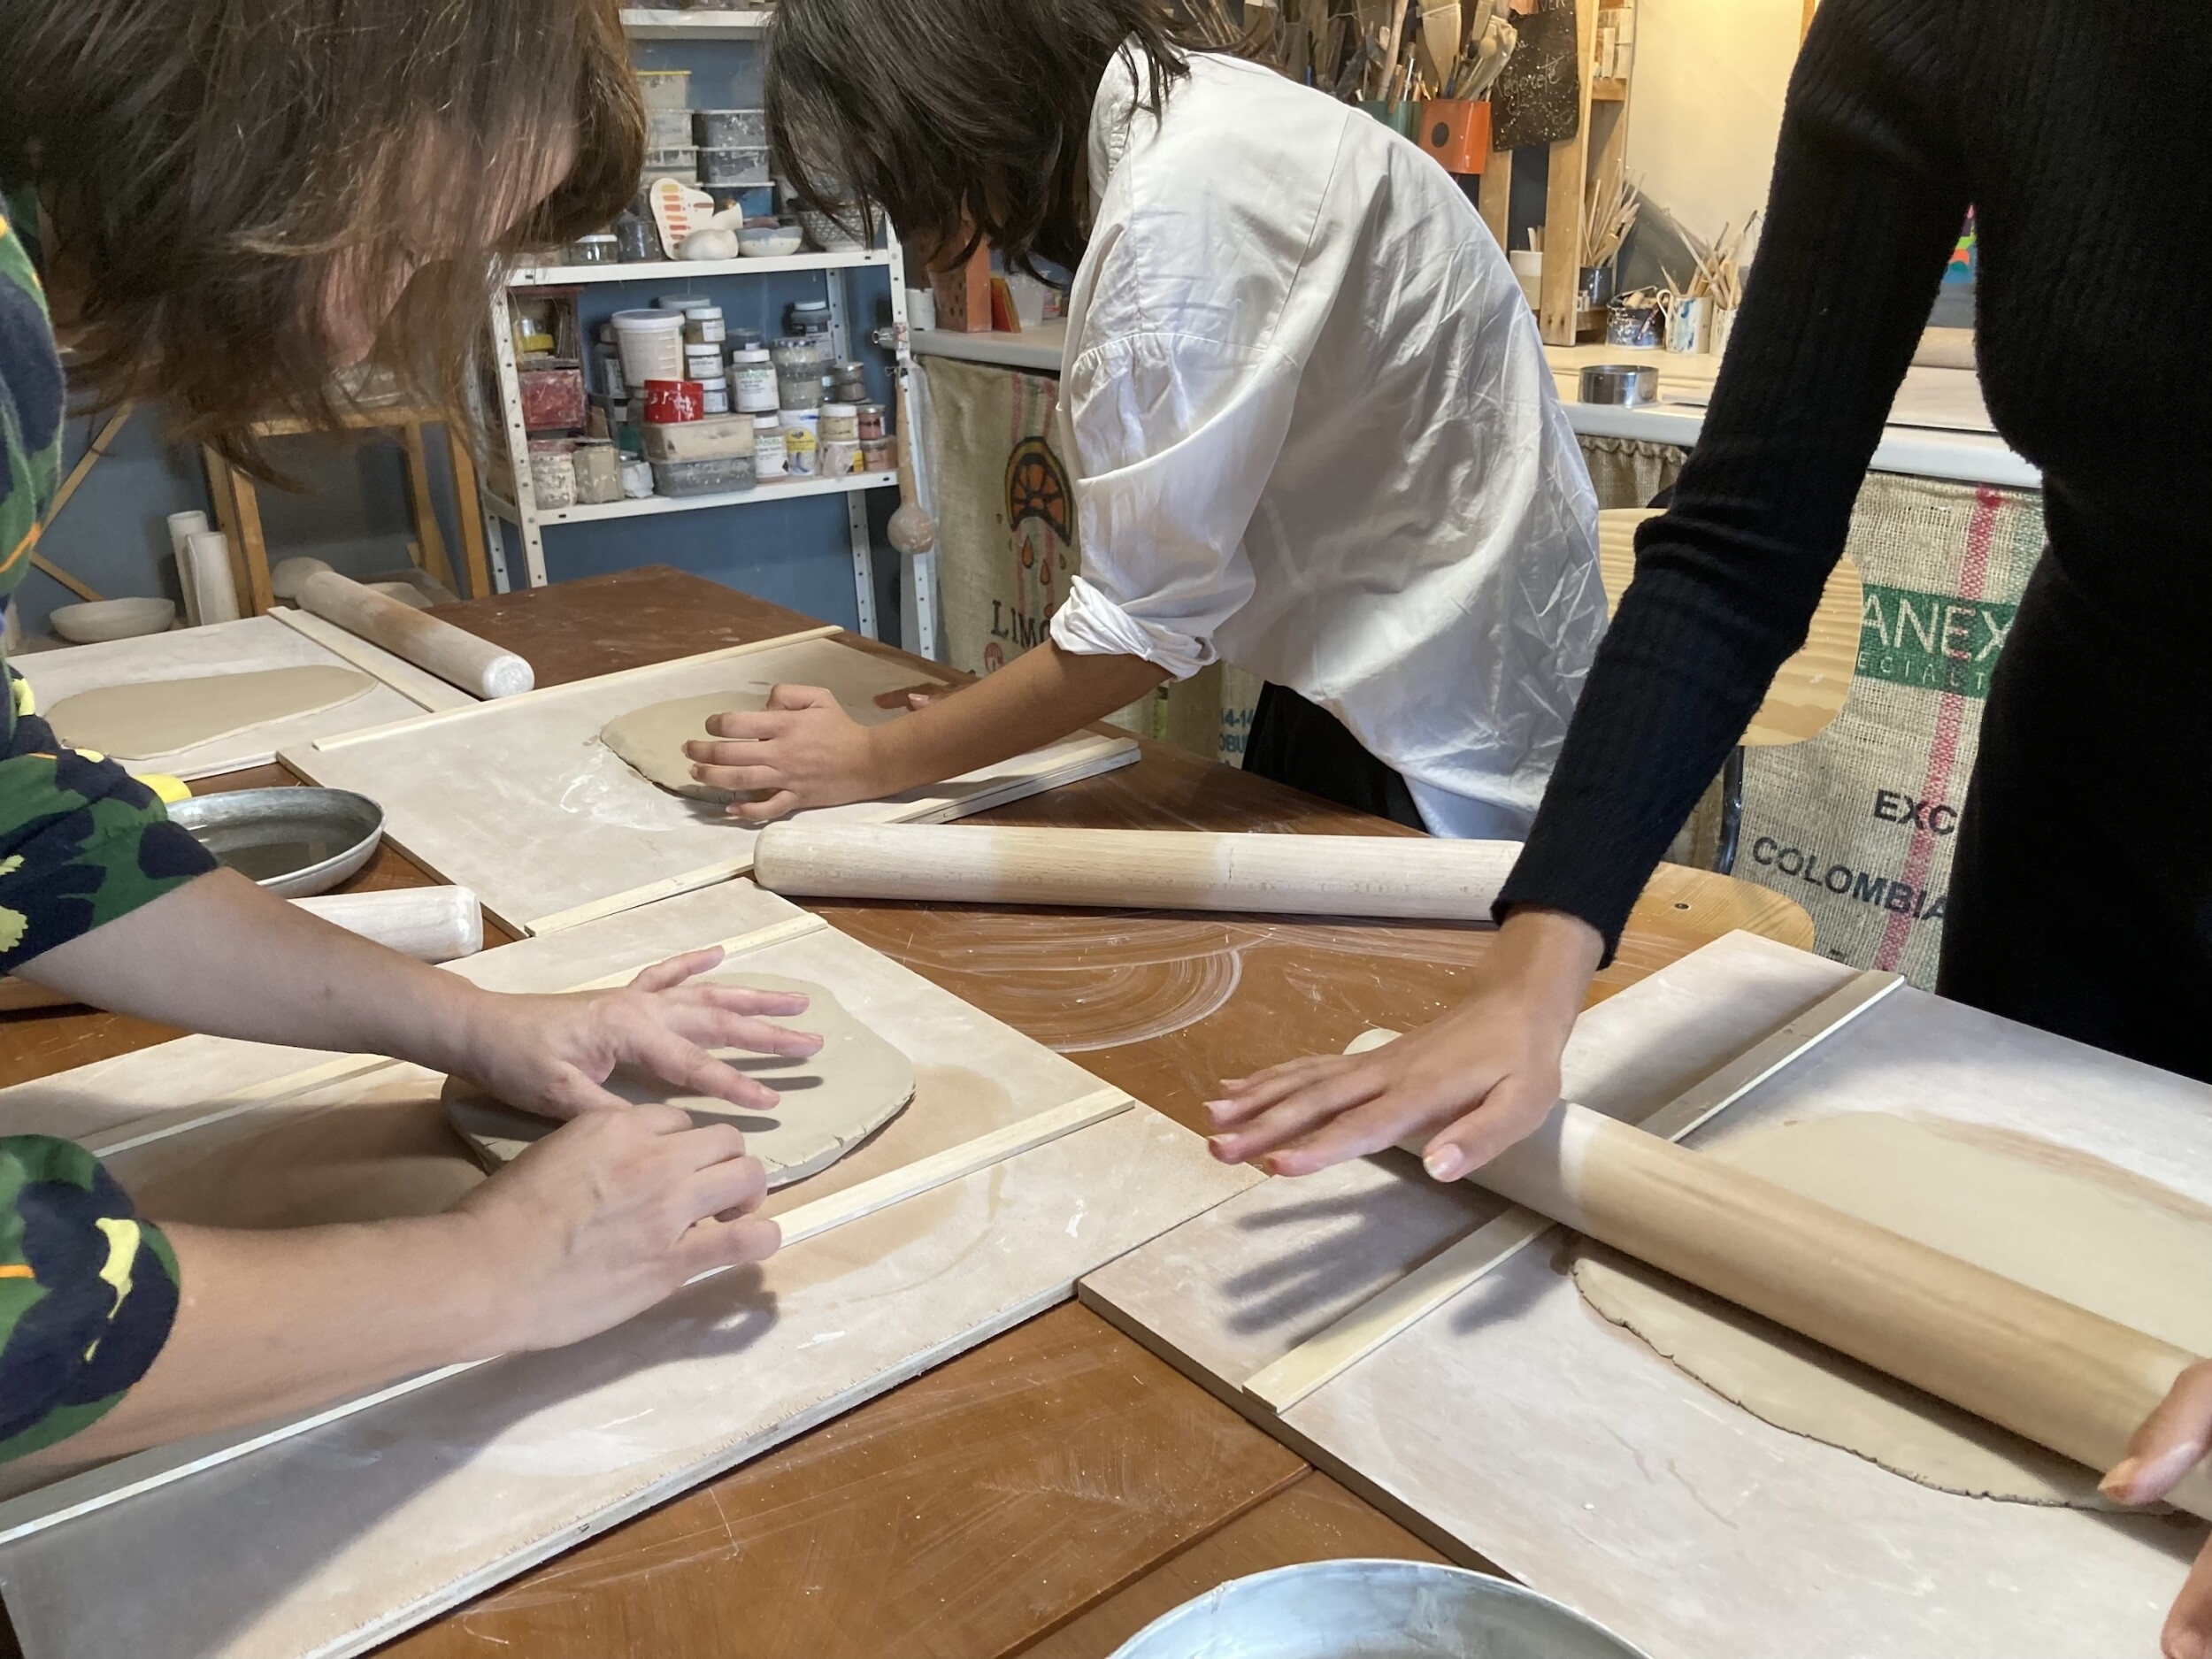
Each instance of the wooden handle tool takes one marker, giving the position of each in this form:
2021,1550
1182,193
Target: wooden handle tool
1400,877
475,665
2060,1375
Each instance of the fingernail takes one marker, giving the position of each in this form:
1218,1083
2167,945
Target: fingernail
1223,1148
2133,1474
1217,1107
2121,1481
1446,1163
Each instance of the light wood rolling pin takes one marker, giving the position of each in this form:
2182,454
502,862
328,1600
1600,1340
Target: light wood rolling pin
1391,877
475,665
428,924
2060,1376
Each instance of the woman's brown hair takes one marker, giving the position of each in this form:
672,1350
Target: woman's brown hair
222,176
965,120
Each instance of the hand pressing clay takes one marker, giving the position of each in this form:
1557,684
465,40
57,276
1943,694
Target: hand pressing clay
832,1101
651,740
2047,1215
164,717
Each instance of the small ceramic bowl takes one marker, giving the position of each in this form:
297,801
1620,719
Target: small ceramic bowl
111,620
770,239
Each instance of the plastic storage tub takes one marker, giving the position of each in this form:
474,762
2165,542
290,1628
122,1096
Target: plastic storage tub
730,129
739,169
704,477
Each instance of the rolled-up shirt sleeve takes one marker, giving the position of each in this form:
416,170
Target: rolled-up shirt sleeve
1173,438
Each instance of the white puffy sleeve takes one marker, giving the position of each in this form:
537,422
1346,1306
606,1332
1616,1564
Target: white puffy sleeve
1173,436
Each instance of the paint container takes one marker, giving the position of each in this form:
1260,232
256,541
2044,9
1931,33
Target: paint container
714,395
598,471
678,162
668,129
703,477
801,447
730,129
839,458
734,169
840,423
639,242
665,89
811,320
552,473
701,361
873,420
651,344
637,478
755,373
879,455
703,325
768,448
667,402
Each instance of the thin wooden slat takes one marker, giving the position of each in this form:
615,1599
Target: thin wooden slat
1451,1270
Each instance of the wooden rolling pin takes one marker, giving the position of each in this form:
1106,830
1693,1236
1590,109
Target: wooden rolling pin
1401,877
475,665
2060,1376
428,924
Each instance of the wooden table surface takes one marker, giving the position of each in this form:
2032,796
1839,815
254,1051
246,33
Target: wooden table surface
1053,1490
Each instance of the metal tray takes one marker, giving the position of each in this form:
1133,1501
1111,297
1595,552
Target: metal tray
296,842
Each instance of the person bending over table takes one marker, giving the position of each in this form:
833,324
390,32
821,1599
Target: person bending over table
2081,893
247,193
1308,422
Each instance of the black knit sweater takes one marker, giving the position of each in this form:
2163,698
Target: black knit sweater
2076,132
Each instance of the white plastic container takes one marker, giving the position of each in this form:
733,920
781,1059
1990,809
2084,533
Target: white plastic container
651,344
754,377
768,450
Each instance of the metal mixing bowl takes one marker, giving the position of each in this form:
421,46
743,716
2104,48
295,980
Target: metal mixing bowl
1373,1610
1621,383
295,842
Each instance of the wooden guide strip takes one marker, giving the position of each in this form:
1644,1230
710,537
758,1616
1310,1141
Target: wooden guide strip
1440,1278
634,898
420,722
145,1471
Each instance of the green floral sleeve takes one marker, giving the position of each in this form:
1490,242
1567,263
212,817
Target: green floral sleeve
88,1293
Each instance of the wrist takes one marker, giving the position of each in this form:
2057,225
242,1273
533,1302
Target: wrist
1552,955
487,1262
450,1036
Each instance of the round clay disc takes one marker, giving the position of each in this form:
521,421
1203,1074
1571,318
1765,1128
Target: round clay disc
827,1104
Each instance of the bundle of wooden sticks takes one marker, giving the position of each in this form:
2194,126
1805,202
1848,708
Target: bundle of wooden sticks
1371,49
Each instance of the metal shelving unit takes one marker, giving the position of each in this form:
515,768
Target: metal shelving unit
522,511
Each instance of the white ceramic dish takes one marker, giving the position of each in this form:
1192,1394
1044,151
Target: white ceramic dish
770,242
111,620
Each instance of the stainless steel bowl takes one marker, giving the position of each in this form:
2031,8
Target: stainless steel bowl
1622,383
1377,1609
295,842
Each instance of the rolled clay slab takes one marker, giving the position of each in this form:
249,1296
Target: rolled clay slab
650,741
164,717
828,1104
2049,1217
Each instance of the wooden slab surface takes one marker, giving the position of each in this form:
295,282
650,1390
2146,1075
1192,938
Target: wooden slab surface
1061,1431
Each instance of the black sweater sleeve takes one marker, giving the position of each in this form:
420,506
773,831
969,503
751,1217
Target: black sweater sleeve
1867,202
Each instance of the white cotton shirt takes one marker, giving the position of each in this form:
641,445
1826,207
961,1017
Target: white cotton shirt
1313,435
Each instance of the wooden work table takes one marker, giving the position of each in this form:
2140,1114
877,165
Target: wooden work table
1053,1490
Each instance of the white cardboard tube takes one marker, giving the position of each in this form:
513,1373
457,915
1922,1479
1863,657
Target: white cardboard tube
1401,877
475,665
428,924
207,574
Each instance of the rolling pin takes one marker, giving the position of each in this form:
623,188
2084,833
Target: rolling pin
2055,1373
428,924
475,665
1396,877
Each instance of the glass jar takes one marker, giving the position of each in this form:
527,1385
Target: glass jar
870,418
756,389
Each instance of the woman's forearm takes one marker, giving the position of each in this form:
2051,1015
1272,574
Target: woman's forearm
1038,698
222,956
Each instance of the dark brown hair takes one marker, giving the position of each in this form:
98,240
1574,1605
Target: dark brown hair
216,170
962,119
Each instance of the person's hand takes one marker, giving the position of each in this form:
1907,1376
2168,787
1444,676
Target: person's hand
607,1216
553,1054
2172,1442
803,750
1474,1081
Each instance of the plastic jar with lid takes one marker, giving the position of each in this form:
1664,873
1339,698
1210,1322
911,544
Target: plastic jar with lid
681,302
754,372
714,394
703,325
802,390
768,450
701,361
794,354
872,419
802,448
841,423
806,316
